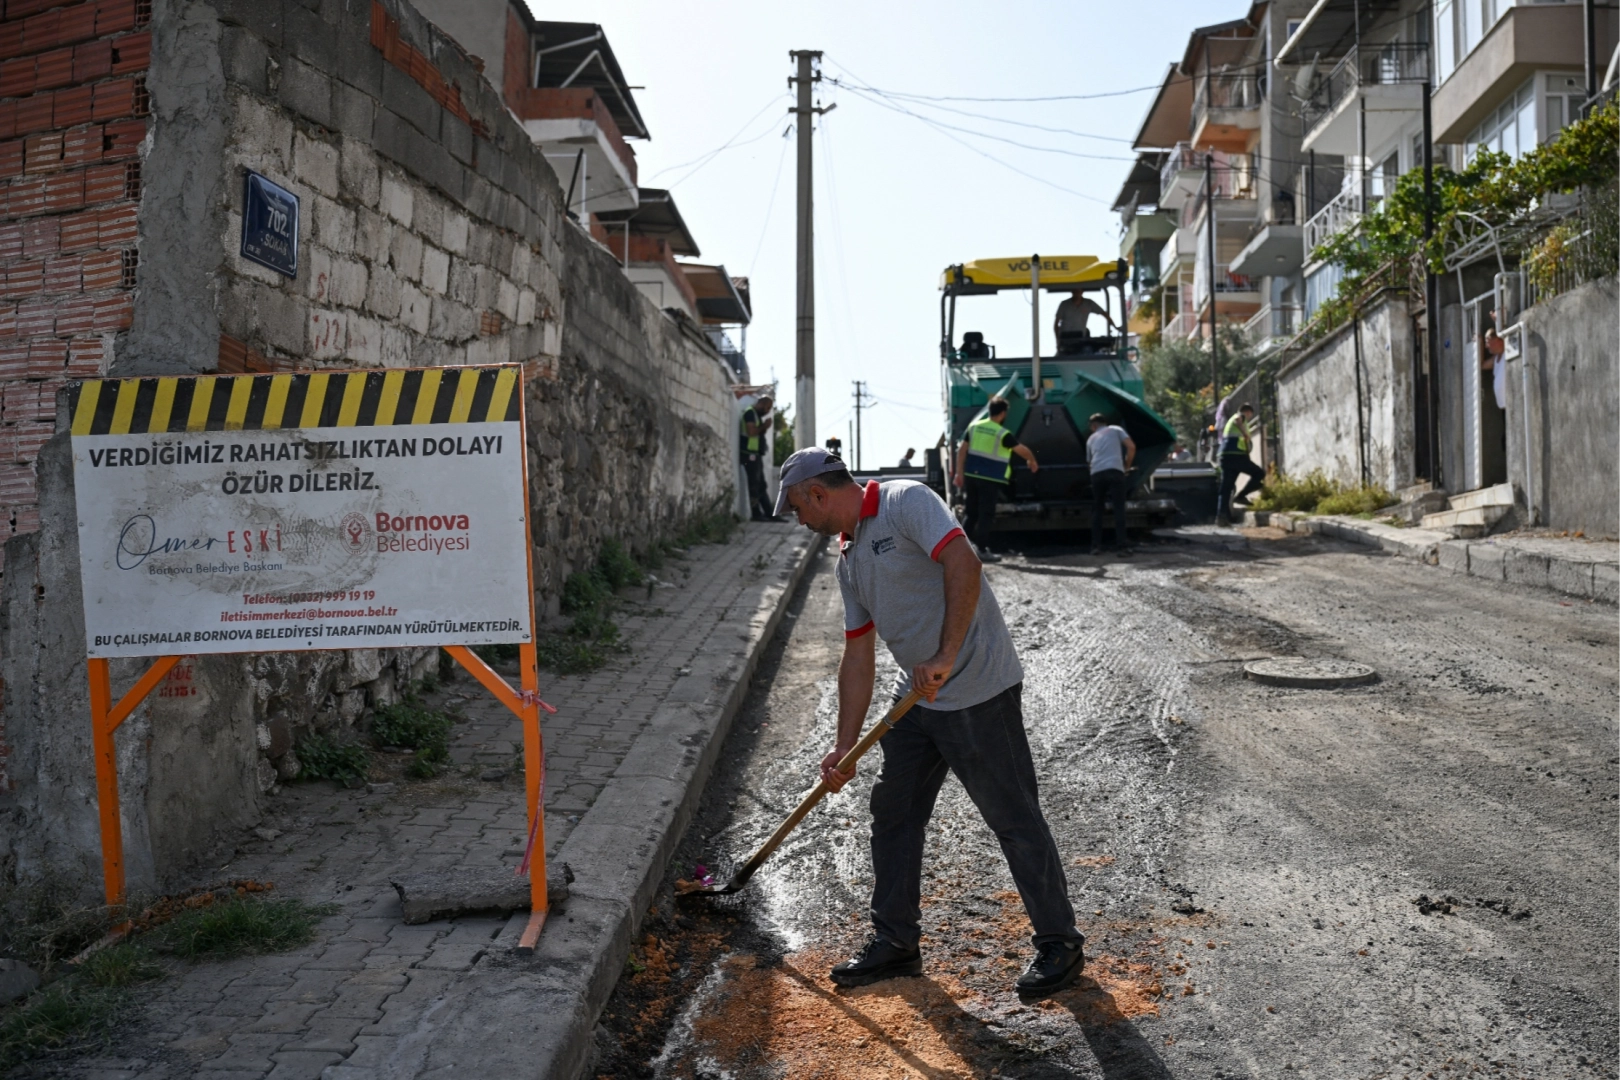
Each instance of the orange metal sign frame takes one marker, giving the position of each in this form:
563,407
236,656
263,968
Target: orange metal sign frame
105,718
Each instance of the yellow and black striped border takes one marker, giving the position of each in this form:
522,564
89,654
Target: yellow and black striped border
453,395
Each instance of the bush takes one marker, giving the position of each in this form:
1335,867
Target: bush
1357,500
409,725
1286,493
323,758
1316,494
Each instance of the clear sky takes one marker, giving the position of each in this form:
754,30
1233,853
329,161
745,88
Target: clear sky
897,199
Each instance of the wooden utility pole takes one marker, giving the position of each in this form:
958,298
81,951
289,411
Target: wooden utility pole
804,426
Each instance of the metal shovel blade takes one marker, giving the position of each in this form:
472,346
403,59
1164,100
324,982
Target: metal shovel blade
817,793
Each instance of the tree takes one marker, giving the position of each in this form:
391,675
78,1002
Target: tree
782,440
1176,379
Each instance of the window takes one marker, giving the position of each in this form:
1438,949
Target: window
1384,175
1445,40
1565,94
1510,130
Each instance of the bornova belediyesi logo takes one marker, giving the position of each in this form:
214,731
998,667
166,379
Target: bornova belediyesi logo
436,533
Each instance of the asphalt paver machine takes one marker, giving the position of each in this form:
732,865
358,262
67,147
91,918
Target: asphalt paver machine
1050,398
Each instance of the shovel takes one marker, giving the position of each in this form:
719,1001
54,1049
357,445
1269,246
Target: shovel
738,880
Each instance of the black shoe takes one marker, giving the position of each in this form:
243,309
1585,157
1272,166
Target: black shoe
878,959
1056,965
1095,551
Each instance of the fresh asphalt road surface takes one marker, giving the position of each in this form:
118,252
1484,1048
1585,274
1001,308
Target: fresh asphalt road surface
1416,878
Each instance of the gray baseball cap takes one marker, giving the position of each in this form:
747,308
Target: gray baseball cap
802,465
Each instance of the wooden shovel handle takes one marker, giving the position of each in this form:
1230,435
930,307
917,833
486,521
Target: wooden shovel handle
819,792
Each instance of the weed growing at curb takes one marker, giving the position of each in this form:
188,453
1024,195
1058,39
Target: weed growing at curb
68,1014
241,926
323,758
408,724
79,1007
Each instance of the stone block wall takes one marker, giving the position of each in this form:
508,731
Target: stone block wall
430,233
1317,401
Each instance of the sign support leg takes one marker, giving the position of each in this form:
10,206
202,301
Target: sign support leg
534,764
101,736
526,705
104,720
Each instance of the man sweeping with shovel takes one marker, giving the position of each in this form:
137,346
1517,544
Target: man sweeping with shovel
909,574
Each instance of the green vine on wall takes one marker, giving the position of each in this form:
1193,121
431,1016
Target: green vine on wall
1492,188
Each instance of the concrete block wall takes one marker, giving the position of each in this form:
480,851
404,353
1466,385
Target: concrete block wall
1573,465
430,234
1317,401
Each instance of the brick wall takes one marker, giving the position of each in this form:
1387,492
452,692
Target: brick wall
73,104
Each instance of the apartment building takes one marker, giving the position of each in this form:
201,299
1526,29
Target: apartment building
1222,133
1400,394
563,83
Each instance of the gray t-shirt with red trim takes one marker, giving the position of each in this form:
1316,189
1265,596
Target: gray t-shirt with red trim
892,581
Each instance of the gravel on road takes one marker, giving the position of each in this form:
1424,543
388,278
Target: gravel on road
1411,878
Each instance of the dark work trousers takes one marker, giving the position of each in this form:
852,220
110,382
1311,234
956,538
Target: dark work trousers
1233,466
1108,489
986,748
982,496
759,499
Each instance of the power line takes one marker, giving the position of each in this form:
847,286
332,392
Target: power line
877,100
984,116
770,204
989,157
703,159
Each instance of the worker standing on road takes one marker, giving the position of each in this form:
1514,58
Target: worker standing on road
984,471
1111,453
908,574
756,442
1235,462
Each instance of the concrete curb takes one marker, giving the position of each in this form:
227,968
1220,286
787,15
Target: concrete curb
618,852
1588,579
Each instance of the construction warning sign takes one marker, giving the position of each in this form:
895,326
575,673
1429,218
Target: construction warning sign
326,510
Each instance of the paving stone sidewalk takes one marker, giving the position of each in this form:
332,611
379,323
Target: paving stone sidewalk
375,998
1586,568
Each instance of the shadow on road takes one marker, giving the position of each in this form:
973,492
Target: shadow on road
1121,1050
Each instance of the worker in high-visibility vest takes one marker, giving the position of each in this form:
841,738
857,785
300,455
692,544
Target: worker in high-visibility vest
1236,443
984,471
755,445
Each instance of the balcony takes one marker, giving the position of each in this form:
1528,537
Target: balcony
1181,327
1388,77
1239,288
1182,179
1226,107
1179,178
1272,325
1338,215
565,121
1276,247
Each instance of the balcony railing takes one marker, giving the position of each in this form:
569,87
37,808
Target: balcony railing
1343,211
1239,90
1181,327
1372,65
1273,323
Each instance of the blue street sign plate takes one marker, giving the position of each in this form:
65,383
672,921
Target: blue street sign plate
270,225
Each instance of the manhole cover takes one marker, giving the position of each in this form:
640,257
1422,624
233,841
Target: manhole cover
1316,674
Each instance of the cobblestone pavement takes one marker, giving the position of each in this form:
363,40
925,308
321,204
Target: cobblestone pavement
343,1006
